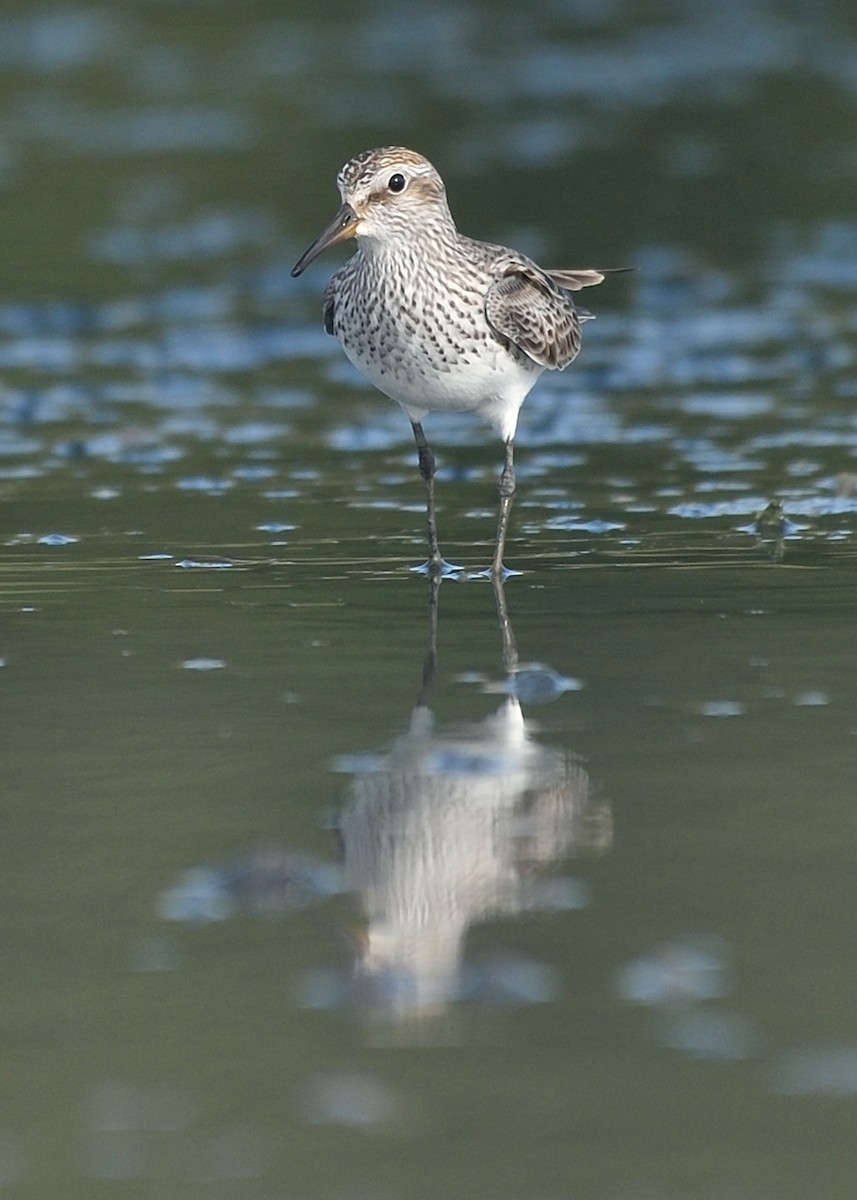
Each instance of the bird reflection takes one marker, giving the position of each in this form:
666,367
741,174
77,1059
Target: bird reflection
451,827
770,527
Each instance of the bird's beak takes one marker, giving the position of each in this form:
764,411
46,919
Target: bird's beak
343,225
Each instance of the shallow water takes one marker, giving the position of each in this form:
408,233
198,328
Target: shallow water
321,883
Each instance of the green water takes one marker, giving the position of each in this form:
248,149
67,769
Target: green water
279,918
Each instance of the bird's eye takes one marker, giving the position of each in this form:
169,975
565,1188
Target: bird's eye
396,183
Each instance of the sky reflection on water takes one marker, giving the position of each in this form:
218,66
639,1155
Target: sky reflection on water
661,384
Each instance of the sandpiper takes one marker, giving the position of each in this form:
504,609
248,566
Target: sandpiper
436,320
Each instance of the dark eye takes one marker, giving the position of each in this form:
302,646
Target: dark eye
396,183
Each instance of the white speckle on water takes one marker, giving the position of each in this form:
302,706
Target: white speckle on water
712,1036
193,564
352,1100
510,979
206,484
573,524
690,969
813,698
57,539
198,897
721,708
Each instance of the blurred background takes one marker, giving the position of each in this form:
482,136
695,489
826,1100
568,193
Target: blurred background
320,883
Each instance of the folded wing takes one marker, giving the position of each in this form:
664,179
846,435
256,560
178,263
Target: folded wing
527,308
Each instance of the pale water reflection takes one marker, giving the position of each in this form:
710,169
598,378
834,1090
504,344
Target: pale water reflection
451,827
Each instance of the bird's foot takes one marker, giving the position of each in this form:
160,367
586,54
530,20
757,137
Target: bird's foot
501,574
440,569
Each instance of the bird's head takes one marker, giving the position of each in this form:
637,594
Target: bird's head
387,195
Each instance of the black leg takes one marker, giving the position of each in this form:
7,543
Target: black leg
507,491
428,471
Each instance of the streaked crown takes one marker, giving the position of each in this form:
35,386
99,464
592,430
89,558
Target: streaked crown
383,186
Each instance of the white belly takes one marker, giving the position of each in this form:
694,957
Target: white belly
487,380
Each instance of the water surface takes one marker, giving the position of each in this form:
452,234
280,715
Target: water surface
317,884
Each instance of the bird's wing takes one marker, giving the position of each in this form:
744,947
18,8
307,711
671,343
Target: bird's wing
327,305
573,280
528,309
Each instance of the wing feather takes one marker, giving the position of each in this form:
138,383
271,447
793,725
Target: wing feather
528,309
327,306
573,280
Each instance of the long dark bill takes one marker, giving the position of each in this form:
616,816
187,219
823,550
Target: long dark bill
343,226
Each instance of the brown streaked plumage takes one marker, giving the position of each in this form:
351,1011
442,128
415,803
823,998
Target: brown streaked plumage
437,320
